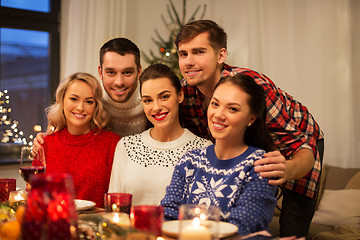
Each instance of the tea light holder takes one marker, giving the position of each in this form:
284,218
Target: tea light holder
118,202
109,226
50,208
118,218
199,222
17,198
147,219
7,185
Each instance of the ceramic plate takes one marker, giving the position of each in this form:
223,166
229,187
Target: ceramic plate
171,228
83,204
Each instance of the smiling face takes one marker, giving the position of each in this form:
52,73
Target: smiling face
161,102
229,113
199,62
79,107
119,75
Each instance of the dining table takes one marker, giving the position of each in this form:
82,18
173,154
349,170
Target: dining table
261,235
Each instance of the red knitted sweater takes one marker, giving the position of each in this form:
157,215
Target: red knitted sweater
88,158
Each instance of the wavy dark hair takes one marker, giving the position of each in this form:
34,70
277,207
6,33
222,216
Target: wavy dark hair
121,46
257,134
159,70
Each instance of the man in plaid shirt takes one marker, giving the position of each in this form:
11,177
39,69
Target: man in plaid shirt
296,165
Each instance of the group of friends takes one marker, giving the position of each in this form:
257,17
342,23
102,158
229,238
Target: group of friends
222,135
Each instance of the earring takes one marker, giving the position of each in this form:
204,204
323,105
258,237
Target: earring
249,124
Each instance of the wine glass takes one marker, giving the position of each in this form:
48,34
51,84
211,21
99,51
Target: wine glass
30,165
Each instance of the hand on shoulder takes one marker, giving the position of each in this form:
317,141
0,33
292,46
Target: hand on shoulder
37,143
273,166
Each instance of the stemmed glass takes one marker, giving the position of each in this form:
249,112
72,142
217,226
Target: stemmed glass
30,165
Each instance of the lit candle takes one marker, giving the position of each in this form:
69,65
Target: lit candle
195,231
17,196
118,218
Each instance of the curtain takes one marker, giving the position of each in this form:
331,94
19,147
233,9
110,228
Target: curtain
309,48
85,26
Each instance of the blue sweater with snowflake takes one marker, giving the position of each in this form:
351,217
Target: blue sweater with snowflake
245,199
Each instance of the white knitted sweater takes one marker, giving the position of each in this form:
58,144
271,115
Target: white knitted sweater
143,166
126,118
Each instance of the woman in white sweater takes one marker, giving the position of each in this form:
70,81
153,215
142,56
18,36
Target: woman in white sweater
143,163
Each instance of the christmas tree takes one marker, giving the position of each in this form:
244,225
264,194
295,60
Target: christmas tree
167,53
8,126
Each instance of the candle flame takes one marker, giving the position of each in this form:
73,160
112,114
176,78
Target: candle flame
114,207
116,218
18,197
196,222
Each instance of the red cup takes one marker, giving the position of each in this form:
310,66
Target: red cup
118,202
147,218
7,185
50,208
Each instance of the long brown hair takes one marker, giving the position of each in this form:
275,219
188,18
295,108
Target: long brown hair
257,134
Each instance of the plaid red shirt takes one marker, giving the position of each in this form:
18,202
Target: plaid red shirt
291,123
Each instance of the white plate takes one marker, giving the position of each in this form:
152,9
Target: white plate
83,204
171,228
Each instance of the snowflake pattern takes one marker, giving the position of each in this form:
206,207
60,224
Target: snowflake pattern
244,197
208,190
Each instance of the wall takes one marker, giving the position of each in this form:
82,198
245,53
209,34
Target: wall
355,43
309,48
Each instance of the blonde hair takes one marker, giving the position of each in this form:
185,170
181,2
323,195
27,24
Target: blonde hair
55,113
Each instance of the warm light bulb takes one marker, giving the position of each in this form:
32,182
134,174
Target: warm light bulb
37,128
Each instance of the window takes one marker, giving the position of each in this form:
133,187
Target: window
33,5
29,65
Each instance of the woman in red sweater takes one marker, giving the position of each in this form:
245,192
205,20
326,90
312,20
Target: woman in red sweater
78,143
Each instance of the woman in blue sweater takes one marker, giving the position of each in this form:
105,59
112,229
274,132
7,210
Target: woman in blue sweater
223,174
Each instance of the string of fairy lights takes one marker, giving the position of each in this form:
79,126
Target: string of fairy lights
10,132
